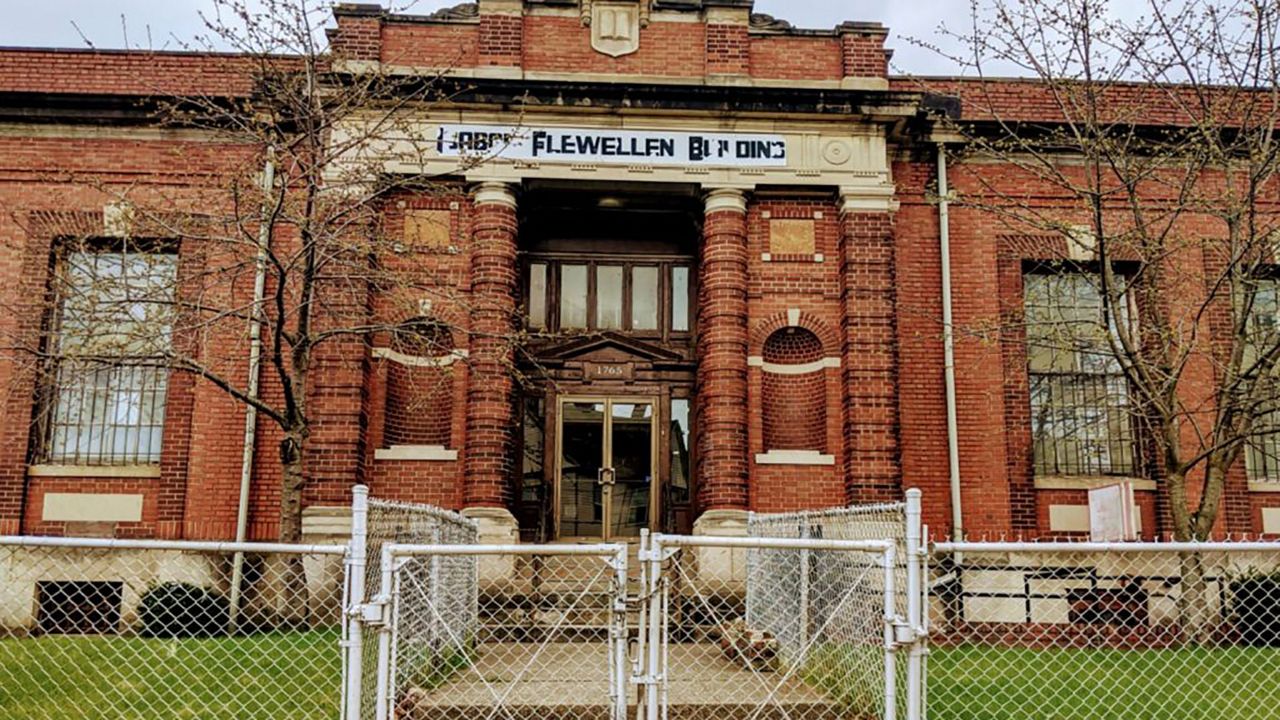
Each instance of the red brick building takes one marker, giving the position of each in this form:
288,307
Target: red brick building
722,229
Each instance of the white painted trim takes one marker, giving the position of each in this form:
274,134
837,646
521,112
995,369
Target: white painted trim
414,361
776,369
719,199
94,471
1073,482
1264,486
495,193
793,317
868,199
794,457
91,507
415,452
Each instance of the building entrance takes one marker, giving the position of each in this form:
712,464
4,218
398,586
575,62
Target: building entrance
606,458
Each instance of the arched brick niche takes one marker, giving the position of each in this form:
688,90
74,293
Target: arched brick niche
419,397
794,396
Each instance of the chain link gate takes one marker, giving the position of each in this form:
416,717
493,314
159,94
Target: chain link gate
750,628
542,634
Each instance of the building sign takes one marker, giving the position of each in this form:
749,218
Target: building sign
611,147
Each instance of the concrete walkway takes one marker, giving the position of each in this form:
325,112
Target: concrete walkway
570,681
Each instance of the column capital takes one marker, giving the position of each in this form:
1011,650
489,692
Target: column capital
726,198
495,193
869,199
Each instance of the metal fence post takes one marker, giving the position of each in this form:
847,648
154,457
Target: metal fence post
890,635
805,615
356,566
383,708
915,653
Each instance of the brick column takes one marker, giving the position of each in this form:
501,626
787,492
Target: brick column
493,297
722,354
869,348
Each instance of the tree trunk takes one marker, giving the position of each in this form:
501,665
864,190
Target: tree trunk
288,572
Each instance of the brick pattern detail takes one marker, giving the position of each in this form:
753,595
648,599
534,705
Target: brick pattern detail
357,38
501,40
790,58
872,463
722,363
728,50
795,406
419,405
490,410
864,55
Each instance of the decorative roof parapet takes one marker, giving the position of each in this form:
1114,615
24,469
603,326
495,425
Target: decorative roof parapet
463,11
760,22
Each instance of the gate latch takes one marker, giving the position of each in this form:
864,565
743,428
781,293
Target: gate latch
374,612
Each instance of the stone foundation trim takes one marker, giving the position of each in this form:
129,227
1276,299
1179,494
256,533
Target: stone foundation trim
94,471
91,507
1069,518
415,452
1271,521
1072,482
326,521
794,457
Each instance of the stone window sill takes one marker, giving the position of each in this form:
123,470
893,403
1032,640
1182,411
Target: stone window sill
1089,482
794,457
1264,486
94,471
415,452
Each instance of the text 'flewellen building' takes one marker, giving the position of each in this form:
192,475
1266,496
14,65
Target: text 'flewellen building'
628,264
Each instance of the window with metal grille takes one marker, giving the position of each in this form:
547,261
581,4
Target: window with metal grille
1081,417
1262,451
106,388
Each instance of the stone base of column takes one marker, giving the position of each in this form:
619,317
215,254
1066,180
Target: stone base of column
323,524
497,526
721,569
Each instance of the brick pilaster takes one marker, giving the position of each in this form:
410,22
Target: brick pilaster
490,414
863,51
501,40
722,354
870,360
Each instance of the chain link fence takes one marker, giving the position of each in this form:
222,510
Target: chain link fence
1083,631
449,582
151,629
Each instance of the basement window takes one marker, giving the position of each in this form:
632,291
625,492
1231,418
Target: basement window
79,607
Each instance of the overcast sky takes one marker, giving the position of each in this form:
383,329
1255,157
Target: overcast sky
49,23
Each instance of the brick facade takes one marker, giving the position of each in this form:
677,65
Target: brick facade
813,275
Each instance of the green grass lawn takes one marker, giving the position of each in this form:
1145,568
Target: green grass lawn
981,683
276,676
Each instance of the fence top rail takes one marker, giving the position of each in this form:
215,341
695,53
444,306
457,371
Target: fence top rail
873,546
411,550
178,545
427,510
827,513
1116,547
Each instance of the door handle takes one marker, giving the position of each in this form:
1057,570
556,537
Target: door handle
605,476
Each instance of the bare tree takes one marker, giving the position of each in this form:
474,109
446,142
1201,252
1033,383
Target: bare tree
1146,150
282,230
